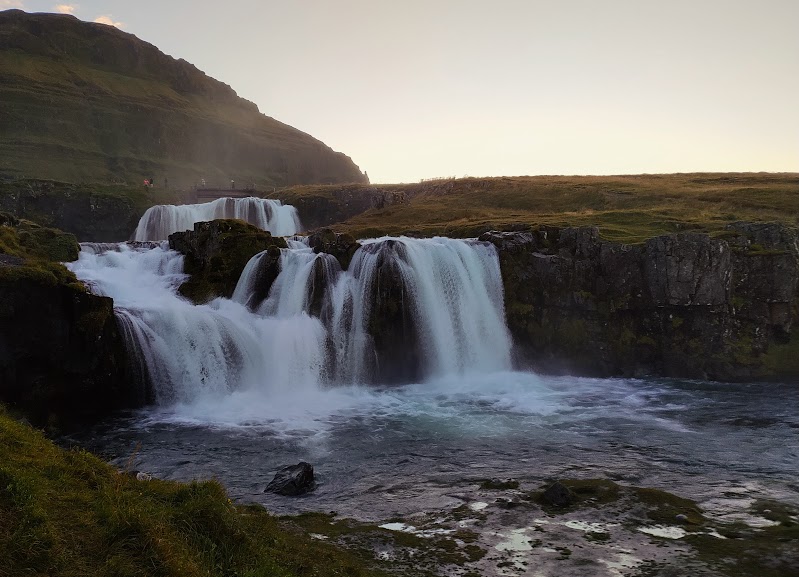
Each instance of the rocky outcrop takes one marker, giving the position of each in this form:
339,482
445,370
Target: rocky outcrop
324,206
91,214
62,358
341,246
392,328
684,305
126,111
216,254
293,480
558,495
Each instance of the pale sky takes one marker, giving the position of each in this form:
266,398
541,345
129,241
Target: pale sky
429,88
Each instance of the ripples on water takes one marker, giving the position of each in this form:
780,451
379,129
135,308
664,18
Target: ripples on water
399,450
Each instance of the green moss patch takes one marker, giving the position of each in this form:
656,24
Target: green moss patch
407,552
31,252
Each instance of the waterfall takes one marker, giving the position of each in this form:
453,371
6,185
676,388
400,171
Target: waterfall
158,222
185,351
452,290
405,310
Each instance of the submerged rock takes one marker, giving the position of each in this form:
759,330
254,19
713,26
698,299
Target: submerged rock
558,495
293,480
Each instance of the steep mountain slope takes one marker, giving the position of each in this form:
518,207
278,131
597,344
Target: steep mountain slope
85,102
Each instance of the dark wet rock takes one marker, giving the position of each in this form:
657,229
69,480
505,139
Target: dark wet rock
682,305
216,254
341,246
680,518
10,260
394,333
293,480
687,270
558,495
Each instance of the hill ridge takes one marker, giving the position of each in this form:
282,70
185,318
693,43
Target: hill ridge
101,104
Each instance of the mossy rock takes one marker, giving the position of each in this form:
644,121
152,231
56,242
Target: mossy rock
32,252
216,254
50,244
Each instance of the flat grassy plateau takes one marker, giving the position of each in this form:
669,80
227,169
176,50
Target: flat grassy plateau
627,209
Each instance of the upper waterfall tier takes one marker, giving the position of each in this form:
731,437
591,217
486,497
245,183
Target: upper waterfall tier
162,220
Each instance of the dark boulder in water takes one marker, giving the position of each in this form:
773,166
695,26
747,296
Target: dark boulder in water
293,480
558,495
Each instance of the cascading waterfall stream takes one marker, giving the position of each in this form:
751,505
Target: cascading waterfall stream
453,290
316,325
158,222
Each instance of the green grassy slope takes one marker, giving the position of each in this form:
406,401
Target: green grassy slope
87,102
67,513
625,208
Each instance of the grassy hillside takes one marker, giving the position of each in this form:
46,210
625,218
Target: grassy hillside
625,208
67,513
85,102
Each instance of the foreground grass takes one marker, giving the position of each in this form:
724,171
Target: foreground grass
625,208
67,513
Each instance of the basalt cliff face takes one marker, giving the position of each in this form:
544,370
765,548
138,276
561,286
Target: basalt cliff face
88,102
684,305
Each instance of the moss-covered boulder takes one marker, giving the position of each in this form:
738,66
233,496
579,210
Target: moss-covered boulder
216,253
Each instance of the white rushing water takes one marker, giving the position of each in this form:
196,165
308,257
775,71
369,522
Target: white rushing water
158,222
313,328
452,290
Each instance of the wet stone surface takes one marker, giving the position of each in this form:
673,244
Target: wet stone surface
608,531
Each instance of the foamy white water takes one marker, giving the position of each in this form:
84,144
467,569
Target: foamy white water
189,352
451,288
313,328
158,222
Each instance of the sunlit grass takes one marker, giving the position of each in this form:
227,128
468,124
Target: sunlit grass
625,208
